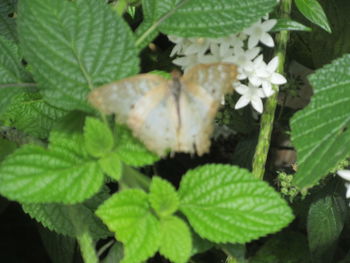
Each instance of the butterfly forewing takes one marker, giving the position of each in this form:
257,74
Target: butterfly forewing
215,78
120,97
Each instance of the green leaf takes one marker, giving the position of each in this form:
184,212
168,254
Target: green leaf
98,137
111,165
128,214
7,19
325,222
320,132
290,25
67,220
284,247
176,241
313,11
30,114
92,46
11,72
227,204
163,197
206,18
62,173
131,150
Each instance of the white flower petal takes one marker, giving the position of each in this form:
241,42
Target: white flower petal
253,41
241,89
254,80
267,40
347,190
273,64
278,79
242,102
345,174
269,24
252,53
257,104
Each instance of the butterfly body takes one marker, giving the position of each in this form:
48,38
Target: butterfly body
175,114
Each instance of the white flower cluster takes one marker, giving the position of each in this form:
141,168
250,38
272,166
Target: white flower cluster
242,50
345,174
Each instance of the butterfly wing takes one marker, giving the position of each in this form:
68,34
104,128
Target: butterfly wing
120,97
197,112
203,87
216,78
154,119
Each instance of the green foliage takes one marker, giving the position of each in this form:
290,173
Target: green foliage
275,249
313,11
115,254
111,165
98,137
163,197
321,139
7,19
30,114
131,150
290,25
68,220
11,72
176,242
205,18
6,147
95,47
324,224
128,215
62,173
227,204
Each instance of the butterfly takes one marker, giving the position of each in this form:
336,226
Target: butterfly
177,114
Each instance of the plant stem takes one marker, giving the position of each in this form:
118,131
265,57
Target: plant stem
87,248
268,116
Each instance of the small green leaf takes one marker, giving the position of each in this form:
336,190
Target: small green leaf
324,224
7,19
313,11
128,214
30,114
115,254
163,197
176,241
92,46
227,204
11,72
111,165
62,173
290,25
131,150
67,219
98,137
320,132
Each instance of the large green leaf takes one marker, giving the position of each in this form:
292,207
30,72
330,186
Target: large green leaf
68,220
7,19
227,204
30,114
176,242
128,214
320,132
73,46
62,173
205,18
11,72
324,224
313,11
